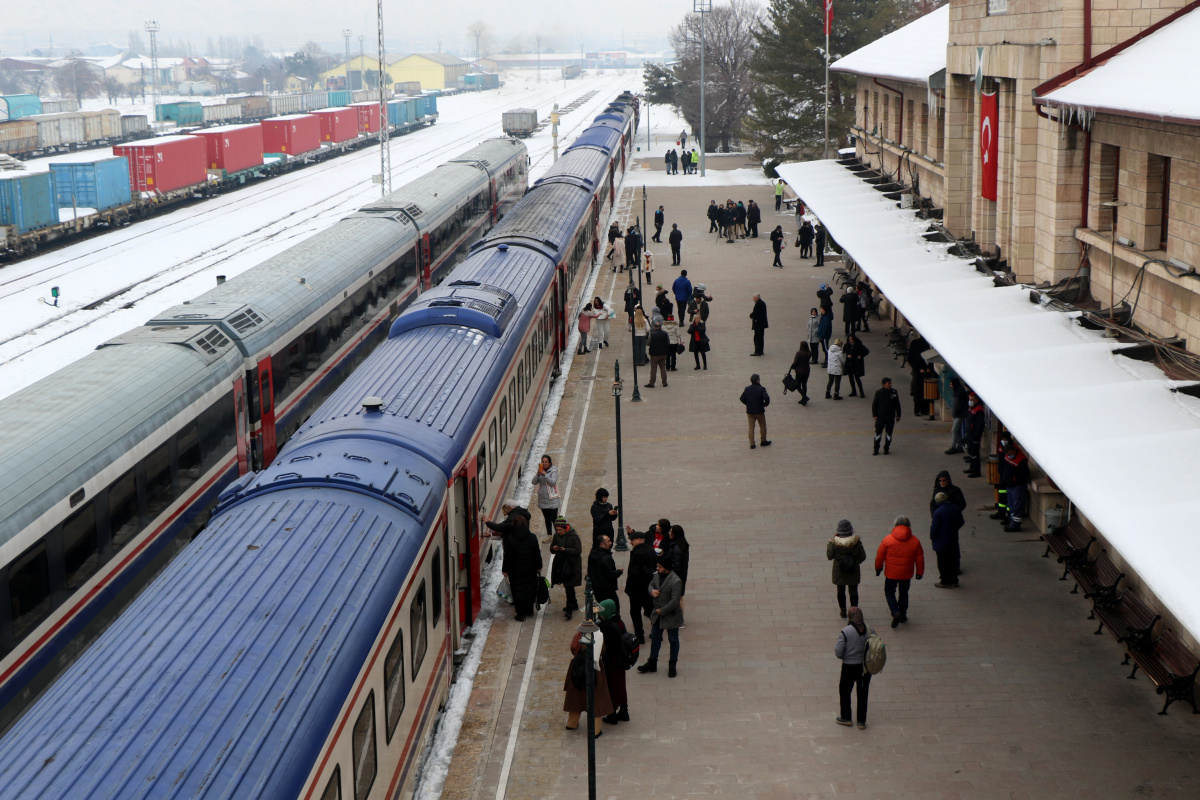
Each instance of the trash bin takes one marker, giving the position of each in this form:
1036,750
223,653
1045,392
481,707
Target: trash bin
993,469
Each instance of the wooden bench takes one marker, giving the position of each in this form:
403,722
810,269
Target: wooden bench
898,342
1173,669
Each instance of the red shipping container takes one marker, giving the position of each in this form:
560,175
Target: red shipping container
293,135
368,117
164,164
338,124
233,148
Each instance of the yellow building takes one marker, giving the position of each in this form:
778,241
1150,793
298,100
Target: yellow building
433,70
357,66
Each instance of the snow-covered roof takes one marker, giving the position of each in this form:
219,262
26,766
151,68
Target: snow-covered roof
1107,429
912,53
1152,78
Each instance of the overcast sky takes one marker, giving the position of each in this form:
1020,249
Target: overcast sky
284,24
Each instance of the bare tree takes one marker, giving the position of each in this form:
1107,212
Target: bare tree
79,79
136,45
113,88
728,47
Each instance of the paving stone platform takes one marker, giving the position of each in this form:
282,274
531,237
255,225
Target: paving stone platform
995,690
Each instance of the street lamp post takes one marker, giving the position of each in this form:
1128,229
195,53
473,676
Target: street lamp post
637,395
621,546
702,7
587,637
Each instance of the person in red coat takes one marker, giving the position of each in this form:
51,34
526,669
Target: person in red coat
900,555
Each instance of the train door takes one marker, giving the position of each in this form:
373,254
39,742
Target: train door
612,184
596,232
240,423
563,309
495,200
466,541
425,265
267,406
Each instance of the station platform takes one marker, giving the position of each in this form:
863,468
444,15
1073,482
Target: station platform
998,689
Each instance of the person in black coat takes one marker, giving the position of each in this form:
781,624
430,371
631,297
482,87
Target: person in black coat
943,535
642,559
633,247
660,219
698,340
614,231
603,515
856,364
806,239
825,297
976,424
755,399
515,517
739,219
820,239
758,323
753,218
849,301
676,241
943,485
522,566
714,216
603,572
885,410
777,245
801,368
680,555
632,298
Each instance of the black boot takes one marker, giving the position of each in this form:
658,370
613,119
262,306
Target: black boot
651,665
843,612
623,713
611,719
671,673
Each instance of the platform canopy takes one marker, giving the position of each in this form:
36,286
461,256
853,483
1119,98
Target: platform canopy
913,54
1109,430
1152,78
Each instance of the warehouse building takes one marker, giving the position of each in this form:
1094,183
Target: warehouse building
433,70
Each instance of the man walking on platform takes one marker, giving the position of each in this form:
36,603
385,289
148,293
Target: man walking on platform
676,241
885,410
901,555
820,238
682,289
755,399
753,217
603,572
777,245
637,582
660,219
660,344
667,590
713,215
758,322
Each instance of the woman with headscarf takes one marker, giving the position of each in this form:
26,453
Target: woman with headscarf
851,648
613,659
575,686
846,551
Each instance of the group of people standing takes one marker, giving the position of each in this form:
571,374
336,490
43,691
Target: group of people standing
734,221
688,159
659,338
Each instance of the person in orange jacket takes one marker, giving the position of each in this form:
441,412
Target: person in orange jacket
899,556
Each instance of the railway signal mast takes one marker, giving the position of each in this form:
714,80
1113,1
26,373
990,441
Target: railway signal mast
152,29
346,35
385,153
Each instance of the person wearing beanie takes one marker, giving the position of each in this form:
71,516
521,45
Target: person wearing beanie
846,551
566,565
943,484
613,629
899,557
851,649
943,535
667,590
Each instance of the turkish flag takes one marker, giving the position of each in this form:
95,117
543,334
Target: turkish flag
828,17
988,149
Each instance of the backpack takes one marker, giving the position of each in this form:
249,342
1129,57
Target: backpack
876,655
846,562
630,649
579,669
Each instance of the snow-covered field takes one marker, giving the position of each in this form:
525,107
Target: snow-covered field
114,282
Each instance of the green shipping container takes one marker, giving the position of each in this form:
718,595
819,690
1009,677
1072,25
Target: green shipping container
183,113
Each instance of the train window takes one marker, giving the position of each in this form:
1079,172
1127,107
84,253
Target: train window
29,591
435,599
393,684
123,519
218,432
363,749
512,398
504,425
81,546
188,447
333,789
521,372
159,493
418,629
492,444
481,469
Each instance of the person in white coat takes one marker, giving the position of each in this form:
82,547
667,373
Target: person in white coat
835,362
617,253
548,500
600,324
672,331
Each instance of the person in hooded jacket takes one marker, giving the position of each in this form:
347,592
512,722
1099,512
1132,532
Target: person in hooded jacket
681,556
900,557
846,551
856,364
801,367
516,516
885,410
835,362
943,484
825,297
943,536
522,566
825,331
548,499
605,613
739,219
567,551
676,338
642,559
851,649
603,515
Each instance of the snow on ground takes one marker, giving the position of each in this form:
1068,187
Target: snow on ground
136,272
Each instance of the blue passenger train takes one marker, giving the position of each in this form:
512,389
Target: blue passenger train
300,646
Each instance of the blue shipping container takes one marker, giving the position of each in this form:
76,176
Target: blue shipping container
16,106
340,97
397,113
100,184
431,105
27,200
183,113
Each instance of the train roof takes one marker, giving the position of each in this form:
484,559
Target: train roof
102,406
493,152
437,379
584,167
224,673
599,137
545,219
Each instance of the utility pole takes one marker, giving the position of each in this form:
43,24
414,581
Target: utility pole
554,130
346,36
362,60
385,151
702,7
152,29
539,58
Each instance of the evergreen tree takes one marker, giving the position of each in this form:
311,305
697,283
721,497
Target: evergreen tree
789,101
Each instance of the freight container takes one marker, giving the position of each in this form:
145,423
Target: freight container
398,112
221,113
479,81
232,148
285,104
16,106
18,136
519,122
311,101
164,164
182,113
427,105
406,88
193,88
292,136
134,126
253,106
59,131
363,95
27,200
59,106
339,97
368,117
338,124
102,125
98,183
